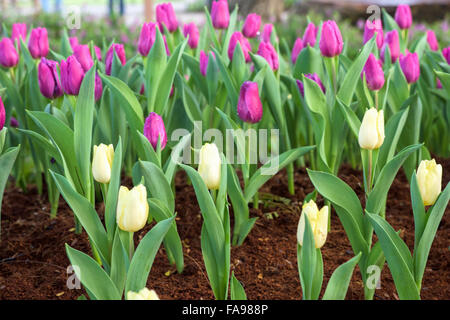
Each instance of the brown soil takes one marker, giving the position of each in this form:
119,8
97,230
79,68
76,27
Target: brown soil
33,262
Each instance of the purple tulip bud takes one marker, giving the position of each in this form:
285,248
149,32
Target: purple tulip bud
191,30
204,59
410,66
403,16
372,27
313,77
331,43
166,15
120,51
72,75
2,114
98,53
154,129
8,53
245,46
251,25
48,79
142,90
73,42
267,51
19,30
309,37
98,87
298,47
267,32
13,122
220,14
83,55
374,73
38,43
391,40
249,106
167,47
432,41
438,84
446,54
147,38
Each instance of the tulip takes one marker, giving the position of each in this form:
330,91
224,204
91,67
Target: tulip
167,47
318,219
147,38
38,43
154,129
73,42
371,132
309,37
392,41
438,84
98,87
209,166
72,75
410,66
102,162
372,27
245,45
98,53
120,51
446,54
251,25
83,55
374,73
48,79
2,114
403,16
191,30
313,77
204,58
220,14
249,106
267,32
8,53
331,43
298,47
19,31
267,51
429,179
13,122
143,294
432,41
165,15
132,208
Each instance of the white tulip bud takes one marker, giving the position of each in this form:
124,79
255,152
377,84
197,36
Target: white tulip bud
102,163
132,208
318,221
143,294
429,179
371,132
209,166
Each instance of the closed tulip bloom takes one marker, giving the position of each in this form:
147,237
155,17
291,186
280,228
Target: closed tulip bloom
370,29
2,114
410,66
267,51
392,41
249,106
315,78
374,73
371,132
8,53
19,31
147,38
309,36
209,166
331,43
190,30
154,129
403,16
251,25
98,91
13,122
48,79
98,53
72,75
165,15
220,14
38,43
446,54
204,59
120,51
102,162
267,32
432,41
83,55
298,47
73,42
245,45
132,208
429,179
318,219
143,294
438,84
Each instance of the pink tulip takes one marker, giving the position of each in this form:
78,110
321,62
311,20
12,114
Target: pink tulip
38,43
98,87
309,37
147,38
98,53
268,52
245,45
251,25
72,75
298,47
220,14
19,31
392,41
154,129
190,30
249,106
438,84
372,27
73,42
315,78
446,54
410,66
13,122
48,78
267,32
83,54
120,51
403,16
8,53
432,41
204,59
374,73
165,15
2,114
331,43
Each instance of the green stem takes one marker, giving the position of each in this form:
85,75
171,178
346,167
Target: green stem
376,99
130,245
369,178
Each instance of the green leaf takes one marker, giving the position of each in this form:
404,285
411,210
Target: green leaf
119,263
308,61
171,164
420,217
155,64
236,289
352,119
6,163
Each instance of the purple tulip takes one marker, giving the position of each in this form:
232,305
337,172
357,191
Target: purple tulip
191,30
251,25
438,84
13,122
392,40
268,52
73,42
72,75
98,87
38,43
446,54
19,30
220,14
309,37
204,59
147,38
403,16
298,47
98,53
374,73
154,129
372,27
245,45
165,15
249,106
267,32
313,77
8,53
48,79
83,55
331,43
432,41
120,51
410,66
2,114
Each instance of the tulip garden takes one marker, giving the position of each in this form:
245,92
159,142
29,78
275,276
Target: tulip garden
225,162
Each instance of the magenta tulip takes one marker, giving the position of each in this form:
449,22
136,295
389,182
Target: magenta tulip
19,31
13,122
251,25
72,75
403,16
48,79
438,84
204,59
190,30
392,41
154,129
309,36
83,54
446,54
2,114
432,41
73,42
315,78
267,32
374,73
298,47
372,27
249,106
38,43
410,66
120,51
245,46
147,38
220,14
268,52
98,87
8,53
165,15
98,53
331,43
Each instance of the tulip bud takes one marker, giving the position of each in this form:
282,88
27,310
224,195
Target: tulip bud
267,51
429,179
98,53
432,41
251,25
166,15
331,43
249,106
372,27
83,55
267,32
102,162
446,54
2,114
19,31
13,122
191,30
120,51
403,16
143,294
410,66
209,166
98,91
73,42
147,38
204,59
8,53
132,208
245,46
38,43
298,47
48,79
438,84
154,129
220,14
313,77
309,37
318,221
374,73
371,132
391,40
72,75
